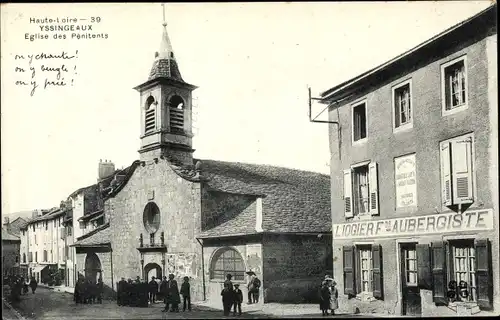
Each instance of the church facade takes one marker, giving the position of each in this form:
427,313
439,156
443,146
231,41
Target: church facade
169,213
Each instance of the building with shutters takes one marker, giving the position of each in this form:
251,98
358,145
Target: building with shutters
414,168
10,253
169,213
43,244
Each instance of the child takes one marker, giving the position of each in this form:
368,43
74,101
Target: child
334,296
324,298
238,299
186,295
227,299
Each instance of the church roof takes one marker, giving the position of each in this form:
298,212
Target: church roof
293,200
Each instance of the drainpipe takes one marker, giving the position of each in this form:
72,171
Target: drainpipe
112,278
203,270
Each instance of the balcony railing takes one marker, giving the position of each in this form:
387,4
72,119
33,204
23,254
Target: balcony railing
155,241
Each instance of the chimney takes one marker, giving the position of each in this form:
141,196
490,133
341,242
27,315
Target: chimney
106,169
6,220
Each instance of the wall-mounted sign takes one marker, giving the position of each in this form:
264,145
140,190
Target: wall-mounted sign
479,220
406,181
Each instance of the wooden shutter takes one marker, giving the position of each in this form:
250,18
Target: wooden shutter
373,188
348,194
349,278
439,273
484,279
462,171
378,283
446,189
424,267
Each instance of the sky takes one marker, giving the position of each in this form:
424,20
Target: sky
252,63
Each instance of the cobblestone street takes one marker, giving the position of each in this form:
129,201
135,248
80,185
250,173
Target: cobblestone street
49,304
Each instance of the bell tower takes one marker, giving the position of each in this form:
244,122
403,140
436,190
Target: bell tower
166,108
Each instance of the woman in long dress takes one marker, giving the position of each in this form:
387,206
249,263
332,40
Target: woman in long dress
334,297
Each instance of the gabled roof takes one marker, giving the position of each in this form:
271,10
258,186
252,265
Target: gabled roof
293,200
464,30
52,214
7,236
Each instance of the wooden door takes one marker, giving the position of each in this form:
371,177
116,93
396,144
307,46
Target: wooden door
411,300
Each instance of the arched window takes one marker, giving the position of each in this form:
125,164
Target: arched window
150,119
151,217
227,261
176,108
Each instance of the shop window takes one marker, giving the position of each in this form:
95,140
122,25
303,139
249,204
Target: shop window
361,190
462,272
359,122
227,261
363,271
454,85
457,170
403,113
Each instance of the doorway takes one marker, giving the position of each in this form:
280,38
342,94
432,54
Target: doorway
410,293
152,270
92,267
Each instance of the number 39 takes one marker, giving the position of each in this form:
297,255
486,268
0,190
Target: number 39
95,19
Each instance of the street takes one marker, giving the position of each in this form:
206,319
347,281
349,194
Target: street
48,304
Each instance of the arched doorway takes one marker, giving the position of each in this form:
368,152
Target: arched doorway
92,267
152,270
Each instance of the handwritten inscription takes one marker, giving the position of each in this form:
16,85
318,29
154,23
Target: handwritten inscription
45,70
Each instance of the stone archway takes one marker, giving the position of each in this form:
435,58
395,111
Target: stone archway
152,270
92,267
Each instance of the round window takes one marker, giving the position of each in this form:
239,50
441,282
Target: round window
151,217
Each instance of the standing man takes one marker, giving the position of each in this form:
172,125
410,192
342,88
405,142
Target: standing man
33,284
173,293
256,289
164,292
121,292
153,289
100,287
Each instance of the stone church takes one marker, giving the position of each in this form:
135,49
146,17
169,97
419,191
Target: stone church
171,213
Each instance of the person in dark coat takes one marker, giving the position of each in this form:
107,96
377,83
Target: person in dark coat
164,293
227,299
153,290
100,288
128,292
324,298
186,294
77,294
120,294
238,299
173,293
33,285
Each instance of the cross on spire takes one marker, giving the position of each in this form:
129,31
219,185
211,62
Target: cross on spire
164,20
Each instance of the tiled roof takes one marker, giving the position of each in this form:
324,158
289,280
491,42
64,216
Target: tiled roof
6,236
99,236
52,214
166,68
294,200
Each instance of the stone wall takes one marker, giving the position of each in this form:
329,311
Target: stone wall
294,267
179,203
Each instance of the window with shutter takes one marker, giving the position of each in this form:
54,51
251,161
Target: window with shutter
439,273
373,187
176,110
424,267
348,212
462,171
349,278
484,277
149,115
446,174
378,283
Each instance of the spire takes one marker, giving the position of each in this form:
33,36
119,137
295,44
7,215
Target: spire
165,65
166,51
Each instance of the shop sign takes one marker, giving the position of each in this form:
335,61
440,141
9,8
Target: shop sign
478,220
406,181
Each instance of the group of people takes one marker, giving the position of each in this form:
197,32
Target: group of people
140,294
88,291
328,296
19,286
232,296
